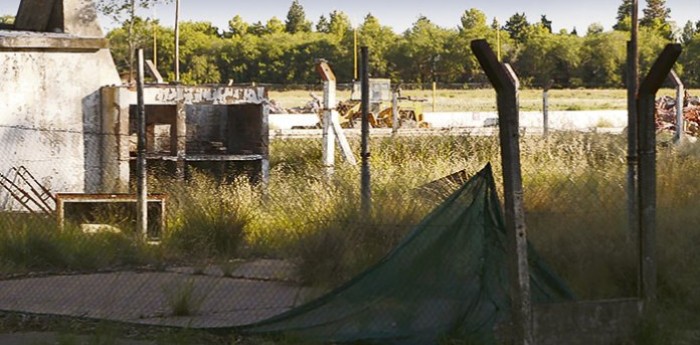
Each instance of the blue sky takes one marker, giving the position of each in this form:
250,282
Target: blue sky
400,14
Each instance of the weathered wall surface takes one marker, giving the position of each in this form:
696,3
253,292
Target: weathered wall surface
50,115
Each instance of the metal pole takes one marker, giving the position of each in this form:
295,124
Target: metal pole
354,54
545,112
141,188
155,39
680,91
177,40
395,113
506,84
647,170
366,189
632,130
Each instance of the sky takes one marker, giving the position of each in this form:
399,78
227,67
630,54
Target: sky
400,14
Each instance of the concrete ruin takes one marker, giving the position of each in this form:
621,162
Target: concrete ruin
200,124
65,114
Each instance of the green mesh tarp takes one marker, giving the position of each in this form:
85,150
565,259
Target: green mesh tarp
446,279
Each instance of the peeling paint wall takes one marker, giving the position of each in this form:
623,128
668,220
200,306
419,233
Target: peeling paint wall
50,121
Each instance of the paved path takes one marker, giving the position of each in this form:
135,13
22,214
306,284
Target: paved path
252,292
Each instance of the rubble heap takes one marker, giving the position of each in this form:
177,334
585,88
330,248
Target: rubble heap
666,114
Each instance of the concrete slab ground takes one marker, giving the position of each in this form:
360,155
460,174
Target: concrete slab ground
250,292
52,338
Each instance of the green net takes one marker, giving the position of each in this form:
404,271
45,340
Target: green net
448,278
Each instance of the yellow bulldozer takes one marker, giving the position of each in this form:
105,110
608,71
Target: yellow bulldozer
410,111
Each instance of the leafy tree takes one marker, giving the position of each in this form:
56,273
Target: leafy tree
546,23
199,46
690,62
595,29
123,43
274,26
473,18
516,26
323,25
603,57
7,19
379,39
426,44
548,58
624,16
237,26
257,29
656,16
124,11
296,19
339,25
688,32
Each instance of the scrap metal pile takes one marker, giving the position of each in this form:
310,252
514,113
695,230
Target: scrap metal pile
666,114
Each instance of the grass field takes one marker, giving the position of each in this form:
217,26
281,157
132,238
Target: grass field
485,99
574,198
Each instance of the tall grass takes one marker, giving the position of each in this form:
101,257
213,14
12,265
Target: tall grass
574,190
34,244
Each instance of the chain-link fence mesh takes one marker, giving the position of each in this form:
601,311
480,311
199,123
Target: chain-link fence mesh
230,249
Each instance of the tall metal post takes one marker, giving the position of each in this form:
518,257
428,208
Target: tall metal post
646,104
177,40
155,39
366,189
354,53
680,93
506,84
545,112
632,88
395,113
141,188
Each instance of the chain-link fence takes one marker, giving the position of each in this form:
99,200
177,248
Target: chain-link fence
230,248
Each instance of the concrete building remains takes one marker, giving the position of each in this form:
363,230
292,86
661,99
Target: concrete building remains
65,115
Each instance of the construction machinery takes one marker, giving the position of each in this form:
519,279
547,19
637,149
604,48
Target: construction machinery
409,111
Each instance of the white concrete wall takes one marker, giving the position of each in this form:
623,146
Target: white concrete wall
558,120
562,120
50,116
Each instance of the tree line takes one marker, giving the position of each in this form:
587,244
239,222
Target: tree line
283,51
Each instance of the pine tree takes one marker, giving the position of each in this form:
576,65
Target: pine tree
296,19
655,13
516,27
655,18
323,25
546,23
624,16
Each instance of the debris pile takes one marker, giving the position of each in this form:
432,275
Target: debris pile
666,114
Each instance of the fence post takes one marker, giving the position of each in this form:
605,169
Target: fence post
680,121
506,84
366,189
646,104
632,89
141,187
328,105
